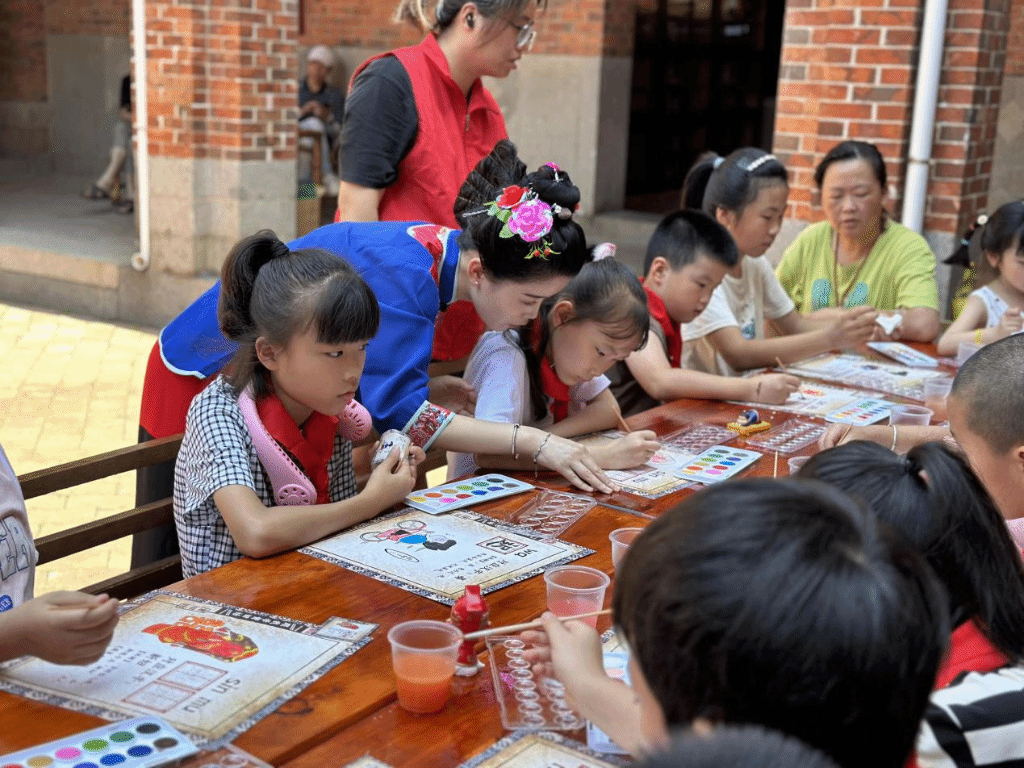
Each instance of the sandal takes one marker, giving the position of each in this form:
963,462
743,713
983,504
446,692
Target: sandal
95,192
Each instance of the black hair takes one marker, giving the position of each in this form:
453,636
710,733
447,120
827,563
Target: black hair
419,12
853,150
932,497
511,257
737,746
604,291
785,603
268,290
990,385
1004,230
733,182
684,235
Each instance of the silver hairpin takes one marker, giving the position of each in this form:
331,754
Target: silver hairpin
559,211
759,162
718,161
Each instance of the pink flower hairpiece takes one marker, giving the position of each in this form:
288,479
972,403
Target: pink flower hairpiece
522,213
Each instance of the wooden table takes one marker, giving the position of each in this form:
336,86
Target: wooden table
351,711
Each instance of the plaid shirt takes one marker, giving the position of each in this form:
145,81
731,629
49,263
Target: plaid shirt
217,451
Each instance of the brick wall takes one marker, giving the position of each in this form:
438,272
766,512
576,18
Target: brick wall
221,78
848,71
574,27
1015,41
22,51
88,17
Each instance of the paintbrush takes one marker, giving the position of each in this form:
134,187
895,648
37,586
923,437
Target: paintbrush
515,628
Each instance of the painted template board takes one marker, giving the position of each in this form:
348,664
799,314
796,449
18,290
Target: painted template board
210,670
652,480
813,399
859,371
532,749
437,557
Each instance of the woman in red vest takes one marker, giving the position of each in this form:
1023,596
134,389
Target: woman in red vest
418,120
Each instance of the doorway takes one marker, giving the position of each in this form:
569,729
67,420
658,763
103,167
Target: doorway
705,76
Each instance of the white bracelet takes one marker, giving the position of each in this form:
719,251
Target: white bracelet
895,435
536,454
515,432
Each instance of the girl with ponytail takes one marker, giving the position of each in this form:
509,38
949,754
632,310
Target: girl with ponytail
285,411
747,193
519,246
934,499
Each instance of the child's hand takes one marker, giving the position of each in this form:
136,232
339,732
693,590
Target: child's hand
70,627
773,388
632,450
575,463
856,326
1010,323
453,393
394,477
569,651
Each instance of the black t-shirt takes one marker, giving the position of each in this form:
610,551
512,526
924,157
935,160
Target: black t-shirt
329,96
380,124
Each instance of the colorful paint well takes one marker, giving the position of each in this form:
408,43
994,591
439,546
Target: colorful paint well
462,493
142,742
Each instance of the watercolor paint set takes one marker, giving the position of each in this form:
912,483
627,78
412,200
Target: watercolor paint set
142,742
528,701
861,412
464,493
717,464
903,353
788,437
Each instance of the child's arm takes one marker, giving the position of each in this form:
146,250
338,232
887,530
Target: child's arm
907,436
571,652
972,319
261,531
852,328
60,627
653,371
602,413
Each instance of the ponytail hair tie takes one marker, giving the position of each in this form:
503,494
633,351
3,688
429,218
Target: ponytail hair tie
279,250
718,161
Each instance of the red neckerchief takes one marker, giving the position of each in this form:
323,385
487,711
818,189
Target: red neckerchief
312,450
553,386
673,334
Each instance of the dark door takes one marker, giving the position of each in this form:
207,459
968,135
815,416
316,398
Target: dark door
705,74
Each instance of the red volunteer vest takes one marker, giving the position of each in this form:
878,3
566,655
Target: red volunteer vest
452,136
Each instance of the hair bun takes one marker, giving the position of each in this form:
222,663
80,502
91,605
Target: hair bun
554,187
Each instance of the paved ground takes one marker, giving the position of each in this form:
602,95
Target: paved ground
72,389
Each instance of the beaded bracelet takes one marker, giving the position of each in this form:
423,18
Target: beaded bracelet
977,336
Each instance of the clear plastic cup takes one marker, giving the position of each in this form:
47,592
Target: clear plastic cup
935,393
796,462
423,655
622,539
576,589
965,349
910,414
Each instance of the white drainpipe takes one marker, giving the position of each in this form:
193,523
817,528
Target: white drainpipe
140,261
926,96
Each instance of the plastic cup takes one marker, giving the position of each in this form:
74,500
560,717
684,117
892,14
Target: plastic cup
576,589
796,462
621,539
910,414
935,393
423,655
964,350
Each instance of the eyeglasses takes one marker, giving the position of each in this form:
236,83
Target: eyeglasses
525,36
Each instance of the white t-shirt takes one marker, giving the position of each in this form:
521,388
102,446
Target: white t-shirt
18,554
743,302
497,371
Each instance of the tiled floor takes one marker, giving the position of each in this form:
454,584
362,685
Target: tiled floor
72,389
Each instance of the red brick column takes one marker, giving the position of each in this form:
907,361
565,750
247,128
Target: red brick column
222,93
848,71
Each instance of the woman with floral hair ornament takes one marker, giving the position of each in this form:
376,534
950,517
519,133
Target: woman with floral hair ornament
519,246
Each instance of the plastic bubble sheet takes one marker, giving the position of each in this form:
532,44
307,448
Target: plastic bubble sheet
788,437
552,512
528,701
697,438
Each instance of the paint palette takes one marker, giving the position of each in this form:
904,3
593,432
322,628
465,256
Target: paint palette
463,493
788,437
551,512
867,410
717,464
528,701
142,742
697,438
902,353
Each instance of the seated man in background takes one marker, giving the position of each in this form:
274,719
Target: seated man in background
321,108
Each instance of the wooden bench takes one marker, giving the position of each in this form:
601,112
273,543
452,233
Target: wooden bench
81,537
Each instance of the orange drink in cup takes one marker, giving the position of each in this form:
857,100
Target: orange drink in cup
423,655
935,393
575,589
